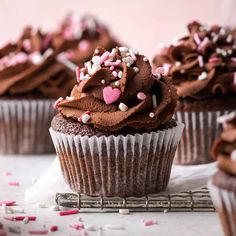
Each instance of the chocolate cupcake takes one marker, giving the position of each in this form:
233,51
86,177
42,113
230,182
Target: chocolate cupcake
203,69
79,36
31,79
115,135
223,184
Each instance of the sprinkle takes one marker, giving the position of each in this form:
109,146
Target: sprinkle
196,38
229,38
160,70
90,227
70,98
56,104
215,38
88,65
39,231
132,54
48,53
202,76
77,226
124,211
225,118
54,228
14,210
103,81
233,155
69,212
120,74
145,59
233,59
7,203
203,43
200,61
96,51
229,51
26,220
149,222
234,78
222,31
19,218
166,211
151,115
96,59
83,45
128,64
36,58
14,230
154,101
141,96
123,107
123,51
136,51
85,118
61,58
4,208
115,227
136,69
178,63
112,68
214,59
114,73
27,45
96,67
110,63
15,183
77,71
104,57
7,173
166,68
54,208
117,83
84,77
113,53
41,205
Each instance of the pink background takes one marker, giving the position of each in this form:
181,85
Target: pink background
144,24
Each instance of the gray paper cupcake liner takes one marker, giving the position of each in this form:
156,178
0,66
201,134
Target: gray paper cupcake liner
201,129
225,204
131,165
24,126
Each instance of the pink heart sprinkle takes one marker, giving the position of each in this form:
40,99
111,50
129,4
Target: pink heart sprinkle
111,95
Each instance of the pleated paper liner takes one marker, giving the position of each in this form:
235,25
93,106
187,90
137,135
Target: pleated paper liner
225,204
24,126
201,129
131,165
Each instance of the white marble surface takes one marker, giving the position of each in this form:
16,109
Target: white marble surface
24,169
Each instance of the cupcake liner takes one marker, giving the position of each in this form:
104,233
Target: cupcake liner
225,204
24,126
201,129
131,165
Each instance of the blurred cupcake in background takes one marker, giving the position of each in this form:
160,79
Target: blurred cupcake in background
202,65
223,184
30,80
115,135
79,36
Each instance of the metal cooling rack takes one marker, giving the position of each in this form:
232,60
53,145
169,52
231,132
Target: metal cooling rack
198,200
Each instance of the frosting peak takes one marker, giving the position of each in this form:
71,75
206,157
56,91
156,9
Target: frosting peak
117,89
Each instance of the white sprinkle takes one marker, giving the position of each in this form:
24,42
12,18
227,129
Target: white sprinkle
222,31
233,155
123,107
229,51
54,208
151,114
225,118
202,76
128,64
114,73
200,61
5,208
145,59
123,49
136,51
70,98
120,74
48,52
36,58
213,34
113,53
14,210
96,51
215,38
166,211
132,54
26,220
182,71
96,59
115,227
89,67
103,81
229,38
96,67
84,77
129,60
154,101
90,227
41,205
124,211
136,69
178,63
218,50
85,118
117,83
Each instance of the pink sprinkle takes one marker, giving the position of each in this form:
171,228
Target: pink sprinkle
39,231
166,68
14,183
77,226
200,61
196,38
160,70
141,96
112,68
149,222
27,45
235,78
7,203
57,102
46,41
84,45
77,70
114,63
69,54
203,43
7,173
69,212
104,57
214,59
20,218
54,228
233,59
132,54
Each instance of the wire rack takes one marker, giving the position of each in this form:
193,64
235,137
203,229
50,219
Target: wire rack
198,200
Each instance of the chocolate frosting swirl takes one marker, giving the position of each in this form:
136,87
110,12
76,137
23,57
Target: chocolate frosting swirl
29,67
224,148
117,89
203,63
80,36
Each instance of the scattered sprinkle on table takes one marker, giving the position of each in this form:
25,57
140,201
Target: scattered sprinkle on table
69,212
